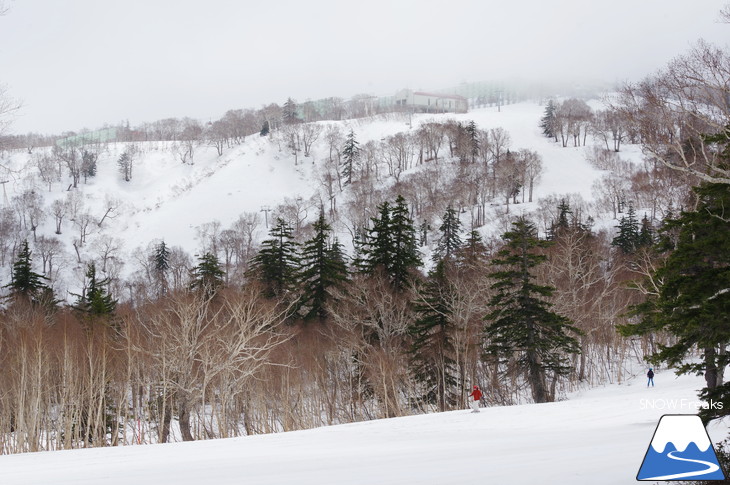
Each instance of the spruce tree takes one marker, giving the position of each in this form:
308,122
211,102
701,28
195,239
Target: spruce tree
432,351
24,282
88,164
562,221
646,233
450,240
521,325
693,301
391,244
627,238
350,156
207,276
289,112
405,256
473,253
322,269
95,301
277,263
377,246
160,266
123,163
473,140
547,122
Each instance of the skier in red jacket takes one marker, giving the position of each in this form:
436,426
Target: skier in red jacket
477,395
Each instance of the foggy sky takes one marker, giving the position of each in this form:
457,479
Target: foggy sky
82,63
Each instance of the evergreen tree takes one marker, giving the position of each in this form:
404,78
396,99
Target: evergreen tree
646,233
432,350
547,122
24,282
562,221
423,233
125,165
207,276
377,246
391,245
693,301
405,255
290,112
264,129
450,241
277,263
473,253
161,258
627,238
473,140
350,156
521,324
95,300
323,268
88,164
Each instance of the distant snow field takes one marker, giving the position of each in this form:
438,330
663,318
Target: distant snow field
599,436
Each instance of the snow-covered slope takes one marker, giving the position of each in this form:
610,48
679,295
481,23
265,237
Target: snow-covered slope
169,200
599,437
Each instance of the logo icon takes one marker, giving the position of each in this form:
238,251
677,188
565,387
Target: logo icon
680,450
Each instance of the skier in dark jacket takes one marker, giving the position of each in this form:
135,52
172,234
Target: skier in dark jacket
650,375
477,395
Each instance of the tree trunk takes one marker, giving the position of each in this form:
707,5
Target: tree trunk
536,378
166,420
710,367
185,422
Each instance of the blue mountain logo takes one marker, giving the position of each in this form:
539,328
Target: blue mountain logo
680,450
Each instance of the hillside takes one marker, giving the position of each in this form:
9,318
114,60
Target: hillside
176,202
598,436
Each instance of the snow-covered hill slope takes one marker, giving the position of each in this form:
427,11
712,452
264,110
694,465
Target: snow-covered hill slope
169,200
598,437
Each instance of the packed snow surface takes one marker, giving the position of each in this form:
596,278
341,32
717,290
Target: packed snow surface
598,436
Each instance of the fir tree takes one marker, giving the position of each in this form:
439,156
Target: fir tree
562,221
125,165
450,240
323,268
547,122
627,238
693,301
377,246
521,324
391,245
646,233
207,276
95,300
423,233
432,350
405,256
24,282
161,258
473,139
350,156
473,253
289,112
276,264
88,164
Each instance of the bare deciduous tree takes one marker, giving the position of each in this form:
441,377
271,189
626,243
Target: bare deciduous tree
309,134
674,110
